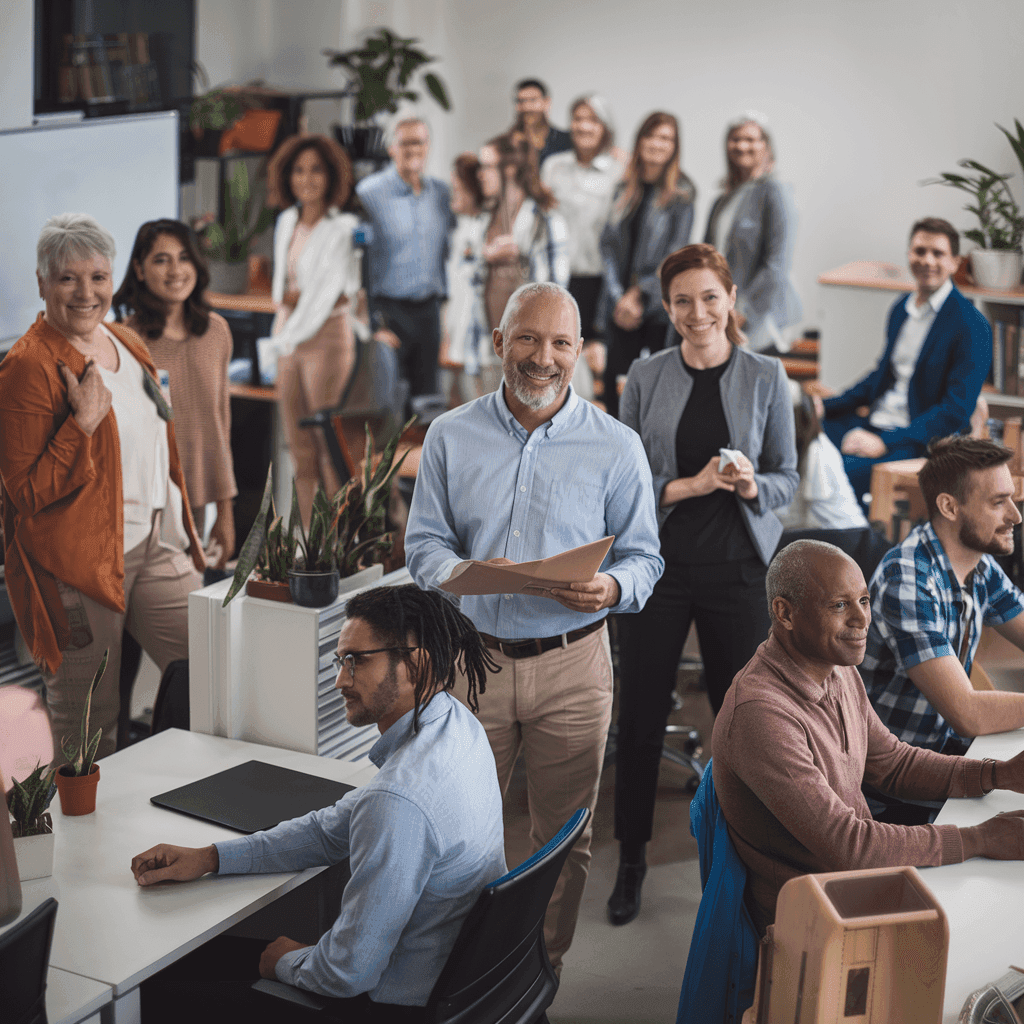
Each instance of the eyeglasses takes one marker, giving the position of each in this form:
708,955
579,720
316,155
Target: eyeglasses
349,660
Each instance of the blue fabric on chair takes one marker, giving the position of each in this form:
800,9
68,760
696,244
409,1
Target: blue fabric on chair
721,966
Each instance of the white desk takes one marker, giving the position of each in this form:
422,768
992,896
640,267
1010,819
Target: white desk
982,898
108,928
72,999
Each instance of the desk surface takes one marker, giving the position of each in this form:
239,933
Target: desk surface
982,898
108,928
71,998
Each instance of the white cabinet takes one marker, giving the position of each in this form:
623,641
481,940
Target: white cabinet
261,671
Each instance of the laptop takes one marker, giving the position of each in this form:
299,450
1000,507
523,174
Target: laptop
253,796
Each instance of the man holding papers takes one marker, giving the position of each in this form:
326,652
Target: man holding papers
526,473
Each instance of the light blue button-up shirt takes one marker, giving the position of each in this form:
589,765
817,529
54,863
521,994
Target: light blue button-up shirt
423,838
487,489
407,235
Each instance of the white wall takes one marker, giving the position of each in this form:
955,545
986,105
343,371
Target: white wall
16,47
866,98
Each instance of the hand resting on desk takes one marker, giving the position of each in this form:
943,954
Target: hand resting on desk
166,863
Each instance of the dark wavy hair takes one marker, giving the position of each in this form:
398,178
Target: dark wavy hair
950,462
279,171
407,615
467,170
134,296
700,256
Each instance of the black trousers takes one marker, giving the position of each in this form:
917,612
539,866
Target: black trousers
417,322
213,985
728,604
624,347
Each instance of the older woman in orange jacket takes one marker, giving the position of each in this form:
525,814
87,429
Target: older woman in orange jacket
95,514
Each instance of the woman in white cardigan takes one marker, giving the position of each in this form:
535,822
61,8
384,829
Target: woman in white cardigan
316,274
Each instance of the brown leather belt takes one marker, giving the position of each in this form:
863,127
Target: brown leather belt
531,648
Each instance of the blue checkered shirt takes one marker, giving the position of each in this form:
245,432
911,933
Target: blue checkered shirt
917,612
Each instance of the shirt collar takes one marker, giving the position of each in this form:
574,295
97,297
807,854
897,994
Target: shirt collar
558,422
805,687
932,304
938,552
438,706
402,186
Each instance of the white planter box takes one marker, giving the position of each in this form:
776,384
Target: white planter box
262,670
35,856
997,269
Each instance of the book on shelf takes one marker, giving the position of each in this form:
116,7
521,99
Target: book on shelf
1007,373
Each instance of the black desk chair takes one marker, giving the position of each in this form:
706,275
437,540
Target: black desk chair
498,972
24,961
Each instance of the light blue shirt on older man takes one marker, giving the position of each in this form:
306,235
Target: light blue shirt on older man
488,489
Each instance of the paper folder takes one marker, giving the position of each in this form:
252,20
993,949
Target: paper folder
579,565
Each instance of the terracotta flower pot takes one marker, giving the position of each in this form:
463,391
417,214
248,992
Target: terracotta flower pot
77,792
268,590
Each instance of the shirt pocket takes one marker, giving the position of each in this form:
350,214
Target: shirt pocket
575,509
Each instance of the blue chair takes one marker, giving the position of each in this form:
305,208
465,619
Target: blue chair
721,967
498,971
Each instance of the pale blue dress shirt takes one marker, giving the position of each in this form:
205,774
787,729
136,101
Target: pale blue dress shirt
487,489
423,838
406,236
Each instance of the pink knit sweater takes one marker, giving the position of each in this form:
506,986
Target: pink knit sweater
789,757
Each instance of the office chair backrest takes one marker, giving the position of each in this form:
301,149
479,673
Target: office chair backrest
24,960
498,971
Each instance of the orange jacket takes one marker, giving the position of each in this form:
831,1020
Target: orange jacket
63,511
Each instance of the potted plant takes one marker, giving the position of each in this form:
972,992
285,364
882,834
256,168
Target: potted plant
347,534
32,827
78,777
997,264
227,244
313,580
380,72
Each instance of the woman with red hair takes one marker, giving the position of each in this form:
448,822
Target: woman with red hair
716,422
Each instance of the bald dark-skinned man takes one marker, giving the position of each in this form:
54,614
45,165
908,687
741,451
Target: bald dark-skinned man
797,736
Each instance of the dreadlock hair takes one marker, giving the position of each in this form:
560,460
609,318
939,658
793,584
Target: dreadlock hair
424,619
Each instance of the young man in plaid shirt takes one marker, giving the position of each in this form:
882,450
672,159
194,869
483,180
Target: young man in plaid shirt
931,595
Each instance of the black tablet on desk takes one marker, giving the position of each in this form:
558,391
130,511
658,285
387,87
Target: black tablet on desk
253,796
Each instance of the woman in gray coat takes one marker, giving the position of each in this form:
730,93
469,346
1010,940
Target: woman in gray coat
752,223
716,421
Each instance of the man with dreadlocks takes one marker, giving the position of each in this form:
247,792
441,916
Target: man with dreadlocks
423,837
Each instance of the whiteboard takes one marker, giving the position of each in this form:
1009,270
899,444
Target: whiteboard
122,170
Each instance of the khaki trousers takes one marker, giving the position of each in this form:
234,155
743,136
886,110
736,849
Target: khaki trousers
157,582
556,709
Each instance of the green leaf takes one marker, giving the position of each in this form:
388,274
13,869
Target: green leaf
250,551
437,90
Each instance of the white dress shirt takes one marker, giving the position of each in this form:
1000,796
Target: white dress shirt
890,411
584,194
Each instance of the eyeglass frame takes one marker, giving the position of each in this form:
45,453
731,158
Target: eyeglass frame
348,659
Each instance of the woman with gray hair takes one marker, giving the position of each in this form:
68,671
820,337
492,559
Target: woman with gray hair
752,224
583,181
96,520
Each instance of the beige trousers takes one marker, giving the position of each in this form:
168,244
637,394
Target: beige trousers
157,582
556,709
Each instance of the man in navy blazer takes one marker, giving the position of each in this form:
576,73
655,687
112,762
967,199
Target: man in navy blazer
937,354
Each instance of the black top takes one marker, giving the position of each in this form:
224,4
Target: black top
635,220
708,528
558,141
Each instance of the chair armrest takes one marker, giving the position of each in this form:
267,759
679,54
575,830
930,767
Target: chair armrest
291,994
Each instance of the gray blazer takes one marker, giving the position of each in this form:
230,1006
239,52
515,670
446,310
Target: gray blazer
758,410
759,251
664,229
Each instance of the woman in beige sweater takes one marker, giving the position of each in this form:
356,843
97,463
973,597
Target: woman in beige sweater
161,298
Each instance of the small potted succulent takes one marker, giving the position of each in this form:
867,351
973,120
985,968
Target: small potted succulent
346,537
32,826
78,777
